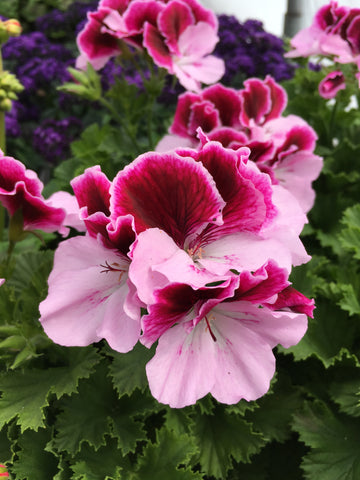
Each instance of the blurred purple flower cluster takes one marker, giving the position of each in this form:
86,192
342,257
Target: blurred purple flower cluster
248,50
53,137
40,60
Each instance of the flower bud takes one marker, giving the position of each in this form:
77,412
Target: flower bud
13,27
3,471
5,105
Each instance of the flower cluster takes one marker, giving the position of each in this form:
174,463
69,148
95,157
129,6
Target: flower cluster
53,137
335,34
281,146
178,35
204,242
249,51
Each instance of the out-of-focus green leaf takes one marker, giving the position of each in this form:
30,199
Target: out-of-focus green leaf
334,442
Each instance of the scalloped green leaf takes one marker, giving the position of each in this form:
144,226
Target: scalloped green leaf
104,464
274,415
221,438
127,370
330,334
85,416
334,443
25,394
167,458
34,463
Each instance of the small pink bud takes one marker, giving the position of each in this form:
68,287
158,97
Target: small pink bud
331,84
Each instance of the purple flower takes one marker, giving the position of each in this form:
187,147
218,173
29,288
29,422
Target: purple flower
249,50
53,137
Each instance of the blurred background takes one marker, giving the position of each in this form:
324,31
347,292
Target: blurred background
271,13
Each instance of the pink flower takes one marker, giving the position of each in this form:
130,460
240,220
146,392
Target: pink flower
90,296
219,339
20,191
323,36
179,35
331,84
282,147
199,215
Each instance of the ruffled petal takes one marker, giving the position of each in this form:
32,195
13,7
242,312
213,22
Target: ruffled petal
169,192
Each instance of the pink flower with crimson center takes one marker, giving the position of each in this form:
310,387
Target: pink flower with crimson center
198,215
179,36
90,296
282,147
218,339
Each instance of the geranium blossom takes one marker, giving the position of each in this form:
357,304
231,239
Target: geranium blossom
282,146
90,296
219,339
179,36
21,191
334,33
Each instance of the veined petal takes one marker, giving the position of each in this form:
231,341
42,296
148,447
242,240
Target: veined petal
157,48
92,190
182,370
158,261
172,22
80,307
169,192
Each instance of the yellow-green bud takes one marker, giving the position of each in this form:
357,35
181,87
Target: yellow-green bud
2,93
5,105
13,27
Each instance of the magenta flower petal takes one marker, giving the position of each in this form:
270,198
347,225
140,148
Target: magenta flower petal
173,20
246,191
169,192
155,45
332,84
96,45
20,189
87,290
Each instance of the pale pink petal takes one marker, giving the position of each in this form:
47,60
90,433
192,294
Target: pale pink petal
158,261
171,142
72,212
87,288
206,70
182,370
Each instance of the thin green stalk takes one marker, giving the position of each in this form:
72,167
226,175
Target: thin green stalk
123,124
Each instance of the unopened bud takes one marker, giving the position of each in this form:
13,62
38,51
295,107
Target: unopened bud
13,27
3,471
5,105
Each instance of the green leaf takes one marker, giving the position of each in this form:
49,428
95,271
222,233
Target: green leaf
334,442
85,416
34,463
103,464
127,371
274,415
167,458
330,334
349,300
126,425
221,438
26,394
